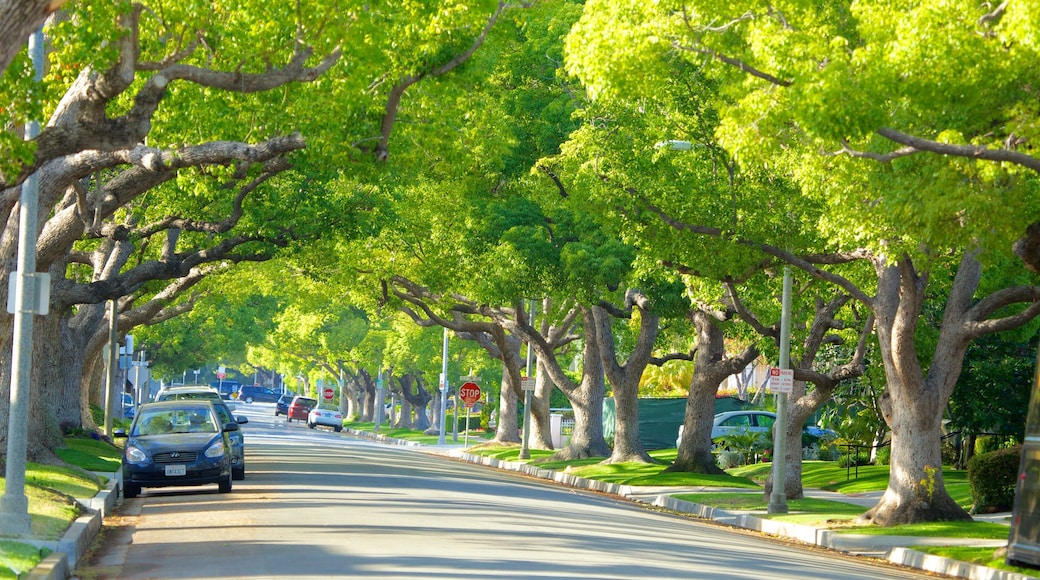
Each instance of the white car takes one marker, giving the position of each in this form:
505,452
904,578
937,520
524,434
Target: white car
731,422
326,417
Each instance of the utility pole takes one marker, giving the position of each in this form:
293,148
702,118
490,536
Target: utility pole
31,296
525,448
778,497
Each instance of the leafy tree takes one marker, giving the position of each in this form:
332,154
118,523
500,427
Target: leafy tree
803,79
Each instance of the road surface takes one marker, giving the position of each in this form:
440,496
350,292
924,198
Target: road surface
316,504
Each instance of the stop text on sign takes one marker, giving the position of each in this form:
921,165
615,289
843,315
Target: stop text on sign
469,393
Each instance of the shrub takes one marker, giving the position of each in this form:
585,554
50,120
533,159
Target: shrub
883,455
729,459
991,477
854,459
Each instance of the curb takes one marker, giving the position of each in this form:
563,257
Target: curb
66,552
891,548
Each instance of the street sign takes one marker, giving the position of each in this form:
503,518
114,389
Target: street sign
469,393
328,393
781,380
527,383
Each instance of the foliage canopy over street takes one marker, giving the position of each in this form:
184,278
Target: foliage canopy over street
321,188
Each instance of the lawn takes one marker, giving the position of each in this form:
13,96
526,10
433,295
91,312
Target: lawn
50,490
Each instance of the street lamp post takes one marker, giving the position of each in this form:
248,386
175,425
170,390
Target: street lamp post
525,449
778,497
14,504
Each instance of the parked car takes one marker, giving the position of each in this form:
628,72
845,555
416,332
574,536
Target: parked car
128,406
191,392
176,442
281,406
326,416
731,422
238,441
300,408
256,393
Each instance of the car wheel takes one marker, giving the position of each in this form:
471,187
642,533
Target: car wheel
225,485
312,425
131,490
338,428
249,399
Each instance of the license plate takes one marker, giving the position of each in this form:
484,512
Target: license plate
173,470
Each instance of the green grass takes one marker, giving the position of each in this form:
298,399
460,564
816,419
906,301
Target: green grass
90,454
50,490
409,434
989,557
17,559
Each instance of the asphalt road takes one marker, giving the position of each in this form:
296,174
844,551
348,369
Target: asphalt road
319,504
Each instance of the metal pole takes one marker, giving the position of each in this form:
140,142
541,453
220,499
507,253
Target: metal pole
778,497
444,390
378,419
525,448
113,364
14,504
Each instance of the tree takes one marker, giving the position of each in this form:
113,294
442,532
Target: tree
781,108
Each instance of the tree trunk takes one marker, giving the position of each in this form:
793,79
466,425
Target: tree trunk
541,422
624,379
711,367
913,404
586,399
507,431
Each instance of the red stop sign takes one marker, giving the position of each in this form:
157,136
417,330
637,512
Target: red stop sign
328,393
469,393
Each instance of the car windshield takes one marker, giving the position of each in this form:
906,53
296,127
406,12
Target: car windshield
306,402
162,421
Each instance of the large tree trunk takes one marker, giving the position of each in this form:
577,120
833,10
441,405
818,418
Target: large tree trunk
711,367
916,491
508,429
586,399
541,422
624,379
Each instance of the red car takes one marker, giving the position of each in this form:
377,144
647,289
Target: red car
299,408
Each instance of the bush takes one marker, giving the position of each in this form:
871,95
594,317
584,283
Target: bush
992,477
854,459
883,455
730,459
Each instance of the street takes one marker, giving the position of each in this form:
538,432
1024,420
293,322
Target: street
319,504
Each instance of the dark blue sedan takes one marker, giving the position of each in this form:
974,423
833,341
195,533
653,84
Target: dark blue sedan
175,443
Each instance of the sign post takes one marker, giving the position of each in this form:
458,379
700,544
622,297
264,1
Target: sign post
469,392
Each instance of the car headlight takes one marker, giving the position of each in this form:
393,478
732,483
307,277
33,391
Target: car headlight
135,455
215,450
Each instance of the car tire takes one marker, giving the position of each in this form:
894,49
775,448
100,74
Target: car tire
249,400
225,485
312,425
131,490
338,428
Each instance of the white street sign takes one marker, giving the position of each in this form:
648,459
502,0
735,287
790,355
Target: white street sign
781,380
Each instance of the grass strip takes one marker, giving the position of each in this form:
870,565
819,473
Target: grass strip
17,559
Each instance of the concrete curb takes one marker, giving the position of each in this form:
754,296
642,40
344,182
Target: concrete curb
66,552
892,548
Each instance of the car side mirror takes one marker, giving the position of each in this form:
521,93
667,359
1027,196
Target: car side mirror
241,419
120,432
230,427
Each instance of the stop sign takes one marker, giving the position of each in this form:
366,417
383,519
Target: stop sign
328,393
469,393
